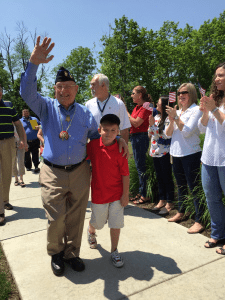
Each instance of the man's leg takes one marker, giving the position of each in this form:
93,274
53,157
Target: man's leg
27,159
8,156
79,181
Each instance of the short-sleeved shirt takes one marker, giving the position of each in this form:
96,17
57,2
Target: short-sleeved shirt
141,112
8,115
108,167
30,132
113,106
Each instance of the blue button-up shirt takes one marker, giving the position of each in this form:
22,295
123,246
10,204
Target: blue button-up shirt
83,126
30,132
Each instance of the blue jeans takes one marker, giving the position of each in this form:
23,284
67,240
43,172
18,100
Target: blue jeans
163,171
140,144
213,182
187,173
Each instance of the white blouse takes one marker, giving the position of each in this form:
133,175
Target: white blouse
187,141
213,153
160,144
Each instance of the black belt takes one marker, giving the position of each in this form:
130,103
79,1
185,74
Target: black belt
140,133
30,141
66,168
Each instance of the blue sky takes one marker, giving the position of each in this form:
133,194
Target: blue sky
73,23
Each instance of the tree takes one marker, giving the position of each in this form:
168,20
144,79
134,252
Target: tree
122,56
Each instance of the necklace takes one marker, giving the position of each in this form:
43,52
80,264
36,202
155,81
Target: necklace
68,118
102,110
64,133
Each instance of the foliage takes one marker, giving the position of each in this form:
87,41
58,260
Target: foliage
152,187
161,61
5,286
13,59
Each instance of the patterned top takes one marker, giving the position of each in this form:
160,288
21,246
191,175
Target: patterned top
160,143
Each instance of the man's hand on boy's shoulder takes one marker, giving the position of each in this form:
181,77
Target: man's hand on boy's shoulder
123,145
124,200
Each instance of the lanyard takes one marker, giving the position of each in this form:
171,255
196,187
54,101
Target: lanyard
102,110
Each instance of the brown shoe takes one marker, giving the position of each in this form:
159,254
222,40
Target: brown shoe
2,219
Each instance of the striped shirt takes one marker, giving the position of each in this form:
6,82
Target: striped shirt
8,115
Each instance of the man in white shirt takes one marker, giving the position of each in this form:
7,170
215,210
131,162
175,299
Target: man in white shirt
103,103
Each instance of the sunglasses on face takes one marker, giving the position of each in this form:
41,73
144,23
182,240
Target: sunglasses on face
182,93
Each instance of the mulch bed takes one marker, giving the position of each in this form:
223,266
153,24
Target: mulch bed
188,222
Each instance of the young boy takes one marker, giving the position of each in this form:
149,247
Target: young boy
109,186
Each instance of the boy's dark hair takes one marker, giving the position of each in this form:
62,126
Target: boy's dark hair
110,119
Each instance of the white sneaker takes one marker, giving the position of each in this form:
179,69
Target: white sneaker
117,259
91,238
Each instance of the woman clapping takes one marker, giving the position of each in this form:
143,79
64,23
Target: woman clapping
185,150
213,155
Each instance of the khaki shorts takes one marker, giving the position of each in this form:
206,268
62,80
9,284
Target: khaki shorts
113,212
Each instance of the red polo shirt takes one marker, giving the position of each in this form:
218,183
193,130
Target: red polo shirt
141,112
108,167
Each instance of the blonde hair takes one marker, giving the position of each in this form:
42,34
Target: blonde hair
193,97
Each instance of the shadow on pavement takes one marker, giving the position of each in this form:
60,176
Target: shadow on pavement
138,265
26,213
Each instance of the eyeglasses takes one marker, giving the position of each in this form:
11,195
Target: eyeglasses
65,87
182,93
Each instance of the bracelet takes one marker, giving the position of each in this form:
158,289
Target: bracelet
214,110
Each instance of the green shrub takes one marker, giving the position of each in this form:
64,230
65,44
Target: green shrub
5,286
152,186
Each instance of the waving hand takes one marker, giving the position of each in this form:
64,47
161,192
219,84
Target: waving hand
41,52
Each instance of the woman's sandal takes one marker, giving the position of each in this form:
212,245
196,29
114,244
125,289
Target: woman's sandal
155,208
22,184
141,201
222,251
211,244
135,198
16,183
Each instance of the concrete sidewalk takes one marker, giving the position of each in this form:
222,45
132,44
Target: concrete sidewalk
162,261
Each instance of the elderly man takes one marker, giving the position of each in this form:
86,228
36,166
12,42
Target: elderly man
65,175
32,141
8,118
103,103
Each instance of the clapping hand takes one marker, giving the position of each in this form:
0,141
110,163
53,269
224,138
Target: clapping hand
41,52
171,111
151,120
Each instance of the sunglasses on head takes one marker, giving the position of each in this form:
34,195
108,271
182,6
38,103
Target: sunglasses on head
182,93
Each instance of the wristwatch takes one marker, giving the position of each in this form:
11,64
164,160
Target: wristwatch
176,117
214,110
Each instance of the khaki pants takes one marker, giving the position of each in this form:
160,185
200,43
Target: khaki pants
7,156
65,196
19,161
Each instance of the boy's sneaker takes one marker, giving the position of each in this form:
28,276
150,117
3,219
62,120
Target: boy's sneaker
117,259
91,239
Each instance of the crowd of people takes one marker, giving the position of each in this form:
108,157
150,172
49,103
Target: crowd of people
63,131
